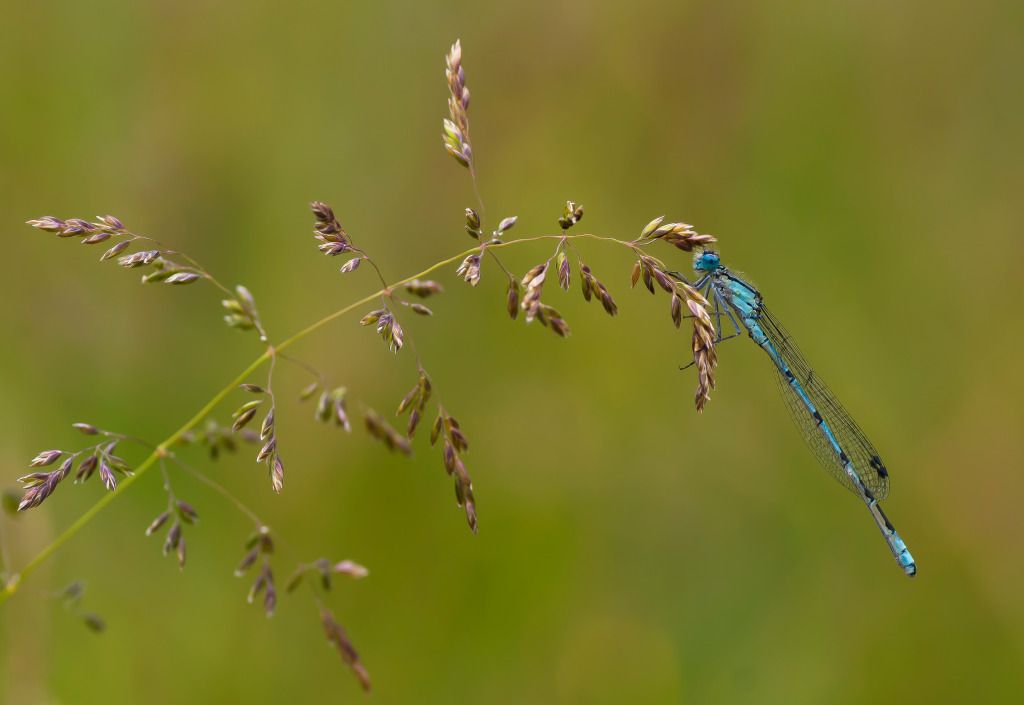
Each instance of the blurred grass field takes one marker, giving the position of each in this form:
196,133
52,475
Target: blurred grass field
859,161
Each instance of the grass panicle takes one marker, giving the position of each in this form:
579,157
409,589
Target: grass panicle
254,421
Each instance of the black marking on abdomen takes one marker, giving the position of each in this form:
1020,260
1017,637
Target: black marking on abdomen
876,463
888,524
843,458
817,417
789,374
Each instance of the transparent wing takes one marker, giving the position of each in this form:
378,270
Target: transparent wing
854,443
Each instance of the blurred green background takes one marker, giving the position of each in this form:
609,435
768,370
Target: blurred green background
860,161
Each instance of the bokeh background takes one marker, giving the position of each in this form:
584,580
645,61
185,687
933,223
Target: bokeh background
859,160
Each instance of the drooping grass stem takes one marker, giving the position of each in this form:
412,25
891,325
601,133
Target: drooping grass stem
162,450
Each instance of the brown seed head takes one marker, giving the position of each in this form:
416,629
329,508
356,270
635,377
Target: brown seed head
456,126
572,214
704,354
386,434
512,300
423,288
469,270
564,270
533,281
337,636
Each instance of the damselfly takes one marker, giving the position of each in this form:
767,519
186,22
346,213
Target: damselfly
834,437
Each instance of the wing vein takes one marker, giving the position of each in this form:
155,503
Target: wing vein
851,439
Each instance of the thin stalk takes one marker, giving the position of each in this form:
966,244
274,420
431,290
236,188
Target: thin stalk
160,452
4,555
476,187
221,490
163,449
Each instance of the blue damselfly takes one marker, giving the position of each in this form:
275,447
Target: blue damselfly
834,437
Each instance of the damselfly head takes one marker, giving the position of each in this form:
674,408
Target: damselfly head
706,261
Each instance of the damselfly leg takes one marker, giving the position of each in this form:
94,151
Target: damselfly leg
720,308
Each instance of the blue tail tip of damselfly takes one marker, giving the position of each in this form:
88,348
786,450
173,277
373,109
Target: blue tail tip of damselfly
902,554
906,562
